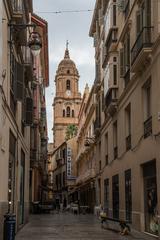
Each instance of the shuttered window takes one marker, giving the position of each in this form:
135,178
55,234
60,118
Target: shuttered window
20,82
121,62
138,22
29,111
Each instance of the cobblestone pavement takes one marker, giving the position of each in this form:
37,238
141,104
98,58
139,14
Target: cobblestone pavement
70,227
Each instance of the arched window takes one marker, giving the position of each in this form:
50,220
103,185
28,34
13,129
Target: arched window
64,113
68,85
68,71
72,113
68,112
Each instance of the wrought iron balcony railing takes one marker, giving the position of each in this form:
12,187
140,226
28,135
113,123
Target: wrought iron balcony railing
148,127
143,40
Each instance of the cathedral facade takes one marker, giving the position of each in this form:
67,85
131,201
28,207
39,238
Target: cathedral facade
67,99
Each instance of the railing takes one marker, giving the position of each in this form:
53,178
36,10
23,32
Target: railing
115,152
128,143
143,40
17,6
148,127
127,78
112,38
111,97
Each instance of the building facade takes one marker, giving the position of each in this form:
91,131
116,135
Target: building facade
127,46
39,137
86,149
67,99
16,109
64,173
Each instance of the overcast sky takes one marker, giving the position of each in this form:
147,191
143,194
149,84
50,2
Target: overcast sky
73,27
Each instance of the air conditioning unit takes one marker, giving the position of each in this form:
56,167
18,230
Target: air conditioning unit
121,5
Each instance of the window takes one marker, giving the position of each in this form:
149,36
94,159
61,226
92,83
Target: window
114,15
115,196
72,113
115,140
68,71
115,74
147,108
68,85
64,113
147,99
106,195
125,59
106,149
100,164
68,112
64,155
64,181
128,195
128,126
57,182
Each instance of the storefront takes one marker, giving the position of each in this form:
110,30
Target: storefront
150,197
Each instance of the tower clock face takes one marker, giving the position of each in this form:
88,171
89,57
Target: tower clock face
68,92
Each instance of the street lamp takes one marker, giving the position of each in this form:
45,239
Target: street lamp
35,43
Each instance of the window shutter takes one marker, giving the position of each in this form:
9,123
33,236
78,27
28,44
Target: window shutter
29,111
138,22
20,82
121,62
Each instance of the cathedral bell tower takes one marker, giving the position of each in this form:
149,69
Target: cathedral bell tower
67,100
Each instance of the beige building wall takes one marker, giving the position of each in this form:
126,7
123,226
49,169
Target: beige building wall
140,74
10,123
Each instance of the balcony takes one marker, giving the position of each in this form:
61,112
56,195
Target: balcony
141,49
109,45
128,143
111,101
97,127
89,141
148,127
89,174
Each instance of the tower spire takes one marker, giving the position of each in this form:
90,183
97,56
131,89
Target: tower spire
66,55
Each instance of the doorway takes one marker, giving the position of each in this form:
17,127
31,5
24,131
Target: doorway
150,197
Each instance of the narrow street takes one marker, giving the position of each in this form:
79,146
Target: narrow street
70,227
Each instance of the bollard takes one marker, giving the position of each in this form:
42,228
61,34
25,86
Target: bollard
9,226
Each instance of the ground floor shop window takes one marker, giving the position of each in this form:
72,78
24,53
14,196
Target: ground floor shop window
150,198
115,196
128,195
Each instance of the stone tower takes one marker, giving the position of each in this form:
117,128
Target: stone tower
67,99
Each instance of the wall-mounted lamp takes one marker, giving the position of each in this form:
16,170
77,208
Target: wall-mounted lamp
35,43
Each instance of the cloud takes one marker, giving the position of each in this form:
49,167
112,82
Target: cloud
75,28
